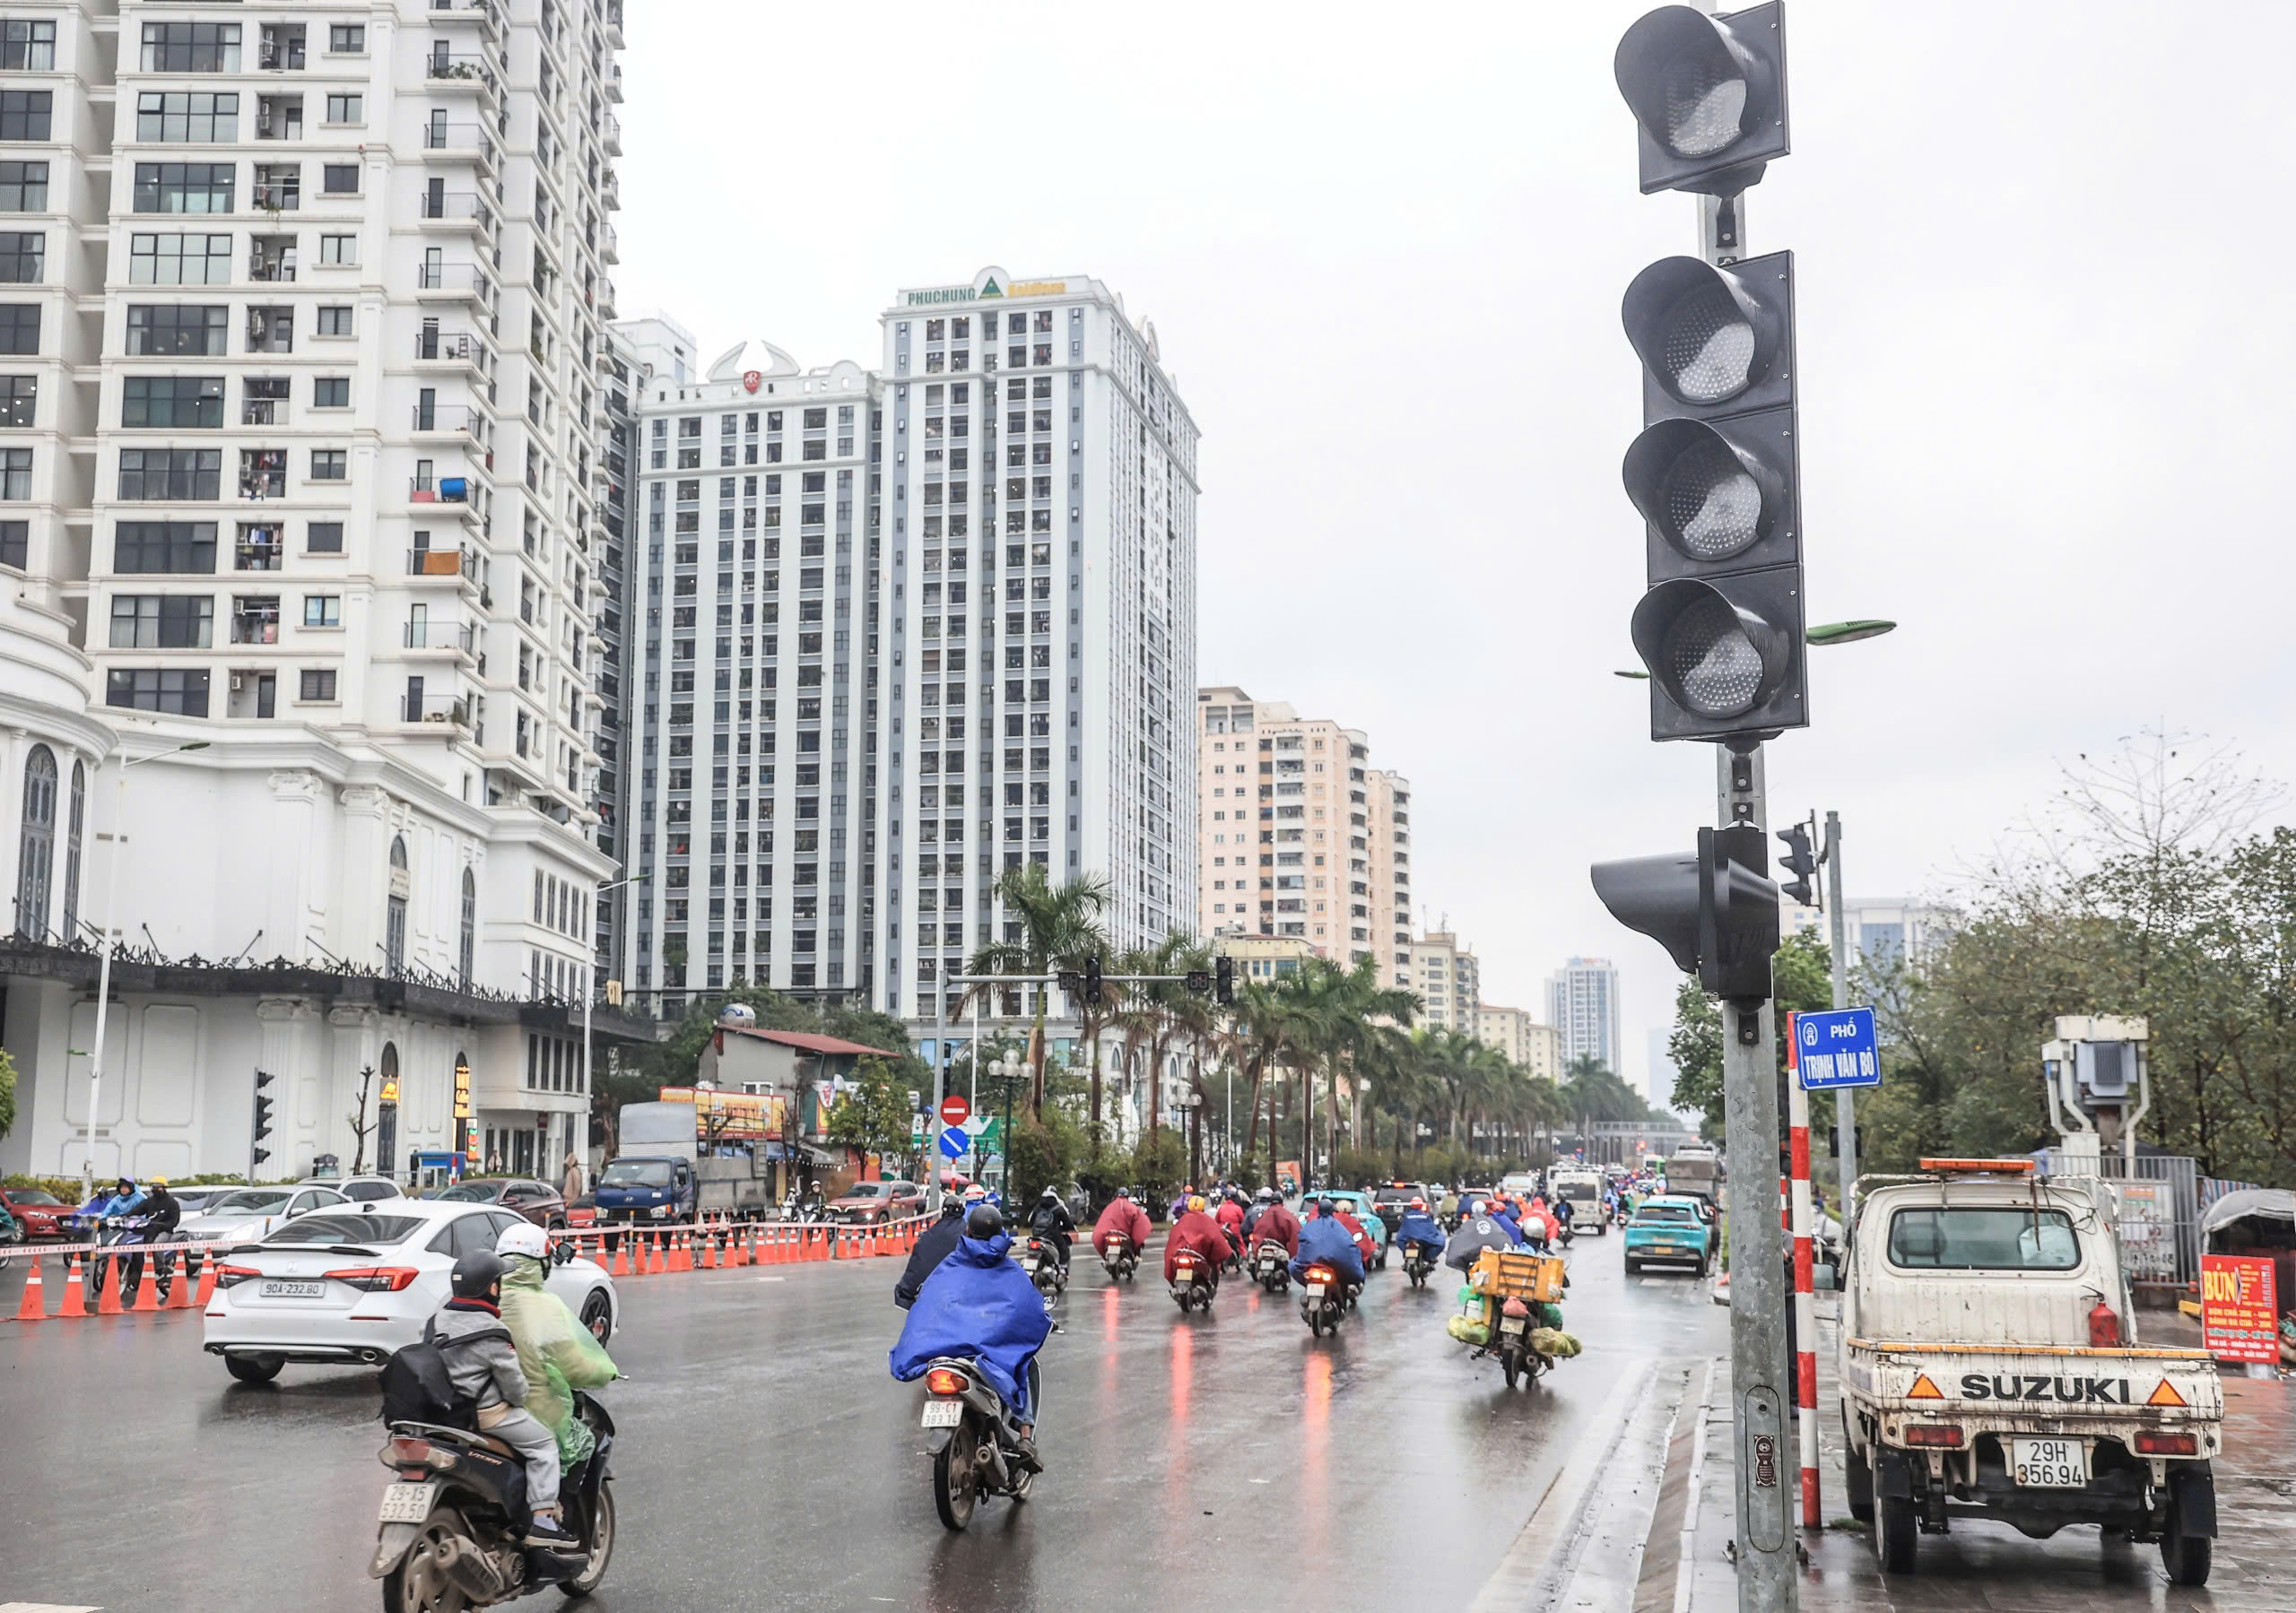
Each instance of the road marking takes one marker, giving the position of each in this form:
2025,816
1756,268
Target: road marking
44,1607
752,1280
1525,1577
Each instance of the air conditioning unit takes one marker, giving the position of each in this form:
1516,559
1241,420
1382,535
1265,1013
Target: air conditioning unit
238,681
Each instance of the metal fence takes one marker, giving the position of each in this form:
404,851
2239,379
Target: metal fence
2160,1212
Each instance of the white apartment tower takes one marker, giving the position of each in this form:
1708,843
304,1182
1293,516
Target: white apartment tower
1582,1003
1039,579
752,661
306,400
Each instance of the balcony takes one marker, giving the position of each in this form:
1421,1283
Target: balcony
456,210
445,710
255,621
613,74
611,135
461,349
457,637
606,299
441,13
452,282
614,27
272,258
447,420
459,141
609,244
443,490
447,71
443,564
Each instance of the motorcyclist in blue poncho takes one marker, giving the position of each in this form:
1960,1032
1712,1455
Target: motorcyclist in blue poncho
1417,1226
979,1306
1325,1240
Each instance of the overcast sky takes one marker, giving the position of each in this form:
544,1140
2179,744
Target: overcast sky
2045,336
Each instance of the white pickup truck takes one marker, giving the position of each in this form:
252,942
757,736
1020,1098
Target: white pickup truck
1990,1369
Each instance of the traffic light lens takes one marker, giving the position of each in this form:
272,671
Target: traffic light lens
1706,107
1707,343
1712,661
1712,501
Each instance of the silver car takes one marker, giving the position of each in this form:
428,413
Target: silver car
245,1214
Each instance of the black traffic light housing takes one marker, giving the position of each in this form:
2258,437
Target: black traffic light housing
1199,983
1716,477
1223,981
1708,94
1093,980
1802,863
258,1153
1715,912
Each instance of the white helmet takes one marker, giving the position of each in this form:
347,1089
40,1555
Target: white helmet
524,1238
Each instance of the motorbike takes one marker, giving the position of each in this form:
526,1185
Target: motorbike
1120,1258
1043,1263
1511,1344
978,1457
1324,1299
451,1534
1272,1267
127,1233
1192,1284
1418,1262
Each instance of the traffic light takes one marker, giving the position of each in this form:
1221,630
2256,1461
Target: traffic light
1802,863
1716,477
1091,980
1223,981
259,1153
1715,912
1708,93
1199,983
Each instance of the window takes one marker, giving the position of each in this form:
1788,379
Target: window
177,117
23,188
330,464
346,38
469,926
339,250
163,547
16,474
346,108
395,919
179,260
334,322
36,845
29,46
339,179
331,392
322,610
1984,1238
323,537
19,327
184,187
26,114
177,330
194,473
16,544
72,850
162,621
316,684
23,256
178,692
18,399
191,47
171,400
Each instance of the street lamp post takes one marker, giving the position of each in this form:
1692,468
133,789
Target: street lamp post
1008,1069
590,989
103,939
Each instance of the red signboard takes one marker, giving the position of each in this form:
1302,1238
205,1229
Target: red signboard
2239,1315
955,1110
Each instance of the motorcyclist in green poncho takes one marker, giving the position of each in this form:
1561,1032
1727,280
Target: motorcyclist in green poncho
556,1352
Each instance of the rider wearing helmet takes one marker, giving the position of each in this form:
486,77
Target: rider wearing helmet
483,1363
1229,1214
1122,1219
979,1306
557,1353
1197,1234
1050,1221
1418,1227
935,1244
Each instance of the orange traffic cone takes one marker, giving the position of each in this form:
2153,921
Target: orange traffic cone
73,1304
33,1307
734,1252
179,1289
147,1292
107,1296
206,1283
620,1258
710,1254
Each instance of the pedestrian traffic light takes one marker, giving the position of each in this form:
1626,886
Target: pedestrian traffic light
1802,863
1715,912
1708,93
1091,980
1223,981
258,1153
1716,478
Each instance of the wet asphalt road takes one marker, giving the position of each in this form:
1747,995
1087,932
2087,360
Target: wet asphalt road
768,1459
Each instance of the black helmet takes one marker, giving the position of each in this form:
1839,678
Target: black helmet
984,1221
477,1274
951,1205
1325,1207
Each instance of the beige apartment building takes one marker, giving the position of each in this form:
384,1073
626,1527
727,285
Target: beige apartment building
1299,838
1538,1048
1448,981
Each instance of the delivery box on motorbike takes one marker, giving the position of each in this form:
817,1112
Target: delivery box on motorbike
1514,1274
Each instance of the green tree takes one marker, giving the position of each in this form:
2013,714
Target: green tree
1059,929
7,1093
1801,973
872,1114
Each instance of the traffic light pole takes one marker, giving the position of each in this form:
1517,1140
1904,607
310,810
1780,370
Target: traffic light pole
1845,1110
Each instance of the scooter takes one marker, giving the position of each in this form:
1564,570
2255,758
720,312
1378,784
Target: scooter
979,1455
1192,1283
1043,1263
1510,1342
1119,1258
1324,1299
1418,1262
1272,1267
128,1232
452,1530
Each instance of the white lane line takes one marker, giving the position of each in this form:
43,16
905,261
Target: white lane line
44,1607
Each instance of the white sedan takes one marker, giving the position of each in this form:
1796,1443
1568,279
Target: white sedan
351,1284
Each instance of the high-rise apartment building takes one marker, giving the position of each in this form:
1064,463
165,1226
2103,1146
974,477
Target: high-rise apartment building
1583,1005
1448,981
1881,932
1538,1048
1039,585
301,413
614,484
1297,836
754,592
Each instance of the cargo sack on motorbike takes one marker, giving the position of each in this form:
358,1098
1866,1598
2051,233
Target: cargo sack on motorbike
417,1387
1551,1316
1467,1330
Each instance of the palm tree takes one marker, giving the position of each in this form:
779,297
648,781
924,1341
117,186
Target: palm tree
1059,928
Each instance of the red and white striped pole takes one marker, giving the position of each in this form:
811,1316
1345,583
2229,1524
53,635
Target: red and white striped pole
1801,1222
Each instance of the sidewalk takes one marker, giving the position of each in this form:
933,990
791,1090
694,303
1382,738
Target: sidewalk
1989,1566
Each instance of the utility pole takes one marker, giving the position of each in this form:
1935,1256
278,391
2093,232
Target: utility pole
1845,1101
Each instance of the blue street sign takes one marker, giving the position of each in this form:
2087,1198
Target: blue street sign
954,1141
1836,1049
